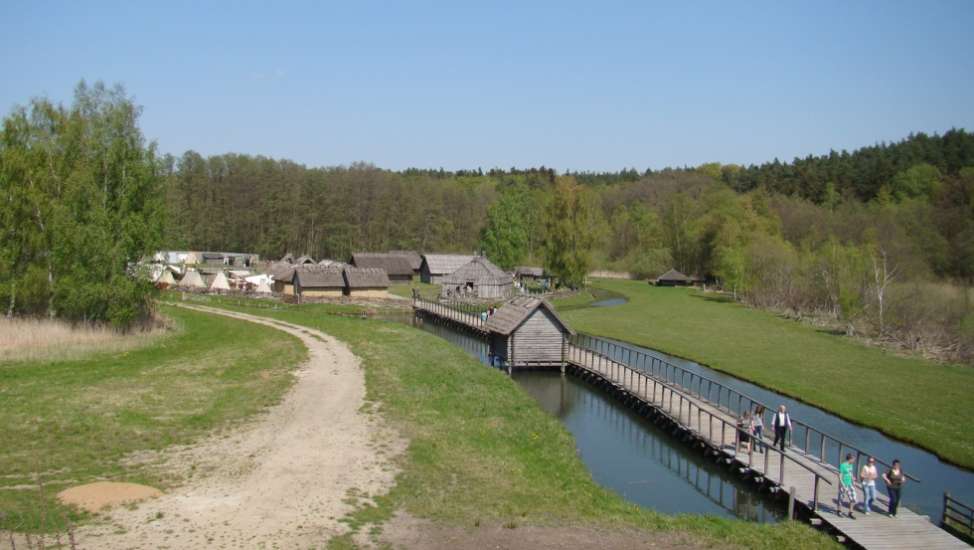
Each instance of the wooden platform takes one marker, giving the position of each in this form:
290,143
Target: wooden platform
815,483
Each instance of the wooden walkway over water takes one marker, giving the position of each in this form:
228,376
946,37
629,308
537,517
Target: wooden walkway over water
686,402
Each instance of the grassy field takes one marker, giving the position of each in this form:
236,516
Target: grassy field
912,399
426,290
482,452
71,422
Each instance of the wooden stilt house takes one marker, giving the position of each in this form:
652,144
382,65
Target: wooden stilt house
527,332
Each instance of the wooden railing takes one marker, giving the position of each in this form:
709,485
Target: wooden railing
726,398
468,314
958,517
645,384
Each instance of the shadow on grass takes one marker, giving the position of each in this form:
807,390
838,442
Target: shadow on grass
716,298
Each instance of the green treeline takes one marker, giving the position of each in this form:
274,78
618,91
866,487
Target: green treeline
82,201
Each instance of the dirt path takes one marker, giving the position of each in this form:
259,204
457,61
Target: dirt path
278,482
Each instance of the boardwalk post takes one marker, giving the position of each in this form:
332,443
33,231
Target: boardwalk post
815,495
781,470
791,502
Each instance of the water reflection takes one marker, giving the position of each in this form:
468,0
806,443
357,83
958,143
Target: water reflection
633,457
936,476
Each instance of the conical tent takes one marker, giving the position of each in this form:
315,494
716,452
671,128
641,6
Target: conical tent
220,282
191,279
166,280
263,288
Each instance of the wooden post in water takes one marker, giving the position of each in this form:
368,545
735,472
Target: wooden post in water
791,502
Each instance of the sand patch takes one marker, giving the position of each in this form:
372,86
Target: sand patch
95,496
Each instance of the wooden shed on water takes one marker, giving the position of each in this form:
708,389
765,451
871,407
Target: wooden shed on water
478,278
315,281
396,267
527,332
366,282
437,266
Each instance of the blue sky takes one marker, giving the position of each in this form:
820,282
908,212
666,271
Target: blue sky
571,85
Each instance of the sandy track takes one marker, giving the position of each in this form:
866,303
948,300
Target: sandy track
277,482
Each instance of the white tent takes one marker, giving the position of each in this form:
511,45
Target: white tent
166,279
220,282
263,288
258,280
191,279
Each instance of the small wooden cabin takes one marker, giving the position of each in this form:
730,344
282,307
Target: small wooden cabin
437,266
361,282
530,273
315,281
673,278
478,279
527,332
396,267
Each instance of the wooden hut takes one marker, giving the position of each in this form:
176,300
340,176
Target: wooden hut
396,267
315,281
437,266
525,272
673,278
283,275
366,282
527,332
288,258
478,278
415,260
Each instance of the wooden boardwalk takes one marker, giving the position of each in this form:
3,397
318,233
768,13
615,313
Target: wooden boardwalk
814,482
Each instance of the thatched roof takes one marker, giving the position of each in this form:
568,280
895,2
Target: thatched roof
415,260
673,275
317,276
304,260
392,264
444,264
288,258
366,277
191,279
478,271
282,271
524,270
510,315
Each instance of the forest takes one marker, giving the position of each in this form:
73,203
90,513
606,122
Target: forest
876,242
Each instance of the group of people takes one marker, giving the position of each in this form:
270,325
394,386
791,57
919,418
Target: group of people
751,432
894,478
751,427
488,313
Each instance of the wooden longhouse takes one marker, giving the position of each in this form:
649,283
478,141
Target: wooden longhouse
527,332
397,267
413,257
478,279
315,281
437,266
366,282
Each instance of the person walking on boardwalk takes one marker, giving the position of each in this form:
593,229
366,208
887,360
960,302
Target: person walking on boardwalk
743,431
847,485
894,478
757,420
781,425
867,476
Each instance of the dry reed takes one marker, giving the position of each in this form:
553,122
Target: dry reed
53,340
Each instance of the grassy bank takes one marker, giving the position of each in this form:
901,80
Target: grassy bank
909,398
426,290
72,422
482,452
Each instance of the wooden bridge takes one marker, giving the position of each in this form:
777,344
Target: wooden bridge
705,412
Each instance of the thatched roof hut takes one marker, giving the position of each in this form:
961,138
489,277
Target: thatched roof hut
288,258
318,281
673,278
478,278
437,266
415,260
303,260
396,267
366,282
527,331
528,272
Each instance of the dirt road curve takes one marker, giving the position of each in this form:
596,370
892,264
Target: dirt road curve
278,482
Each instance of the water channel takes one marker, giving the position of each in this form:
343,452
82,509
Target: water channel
645,465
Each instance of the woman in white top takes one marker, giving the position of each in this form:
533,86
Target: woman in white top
868,475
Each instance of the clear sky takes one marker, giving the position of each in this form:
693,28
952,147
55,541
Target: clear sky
570,85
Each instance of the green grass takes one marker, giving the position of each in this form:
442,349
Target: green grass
72,422
426,290
909,398
482,451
